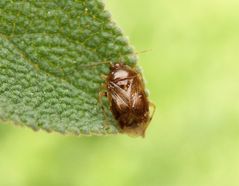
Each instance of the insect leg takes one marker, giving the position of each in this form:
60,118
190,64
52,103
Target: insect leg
103,94
104,77
154,108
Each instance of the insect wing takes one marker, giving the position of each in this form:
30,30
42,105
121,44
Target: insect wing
119,96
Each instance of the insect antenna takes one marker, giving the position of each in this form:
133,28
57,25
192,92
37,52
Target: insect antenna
92,64
143,51
96,63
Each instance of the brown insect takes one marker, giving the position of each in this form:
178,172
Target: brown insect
128,100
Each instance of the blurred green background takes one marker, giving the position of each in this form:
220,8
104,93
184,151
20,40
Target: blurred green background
192,73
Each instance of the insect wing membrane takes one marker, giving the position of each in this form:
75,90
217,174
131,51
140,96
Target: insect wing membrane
119,96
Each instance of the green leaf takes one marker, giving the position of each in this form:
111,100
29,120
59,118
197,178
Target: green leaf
44,49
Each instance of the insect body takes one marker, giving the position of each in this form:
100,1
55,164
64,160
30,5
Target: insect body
128,100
